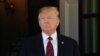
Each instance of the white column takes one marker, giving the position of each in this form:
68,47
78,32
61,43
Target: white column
69,18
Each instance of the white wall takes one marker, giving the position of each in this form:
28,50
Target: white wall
69,18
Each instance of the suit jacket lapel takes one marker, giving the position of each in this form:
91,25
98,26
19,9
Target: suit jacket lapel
60,46
40,46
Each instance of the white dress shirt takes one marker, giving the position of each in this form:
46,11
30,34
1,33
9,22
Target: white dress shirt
53,41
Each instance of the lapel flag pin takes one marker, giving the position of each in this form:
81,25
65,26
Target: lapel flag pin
62,42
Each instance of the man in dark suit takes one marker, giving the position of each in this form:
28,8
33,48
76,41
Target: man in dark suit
49,43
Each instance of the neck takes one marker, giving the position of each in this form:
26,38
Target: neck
49,33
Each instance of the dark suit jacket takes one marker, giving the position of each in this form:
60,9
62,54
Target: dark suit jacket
34,46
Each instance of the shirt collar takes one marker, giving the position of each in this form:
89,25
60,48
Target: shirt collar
53,36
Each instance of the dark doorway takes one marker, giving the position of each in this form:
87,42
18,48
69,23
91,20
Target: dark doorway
16,27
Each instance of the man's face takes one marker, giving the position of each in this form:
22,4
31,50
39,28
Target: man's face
48,21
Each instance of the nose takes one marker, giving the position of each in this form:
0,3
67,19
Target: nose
46,20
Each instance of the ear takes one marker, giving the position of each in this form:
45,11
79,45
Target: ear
58,22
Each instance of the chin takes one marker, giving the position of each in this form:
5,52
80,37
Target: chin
46,30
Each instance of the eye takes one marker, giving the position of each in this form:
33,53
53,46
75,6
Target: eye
42,18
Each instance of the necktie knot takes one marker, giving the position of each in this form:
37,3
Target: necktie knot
49,38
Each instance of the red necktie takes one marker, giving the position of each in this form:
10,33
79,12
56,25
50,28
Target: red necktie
49,49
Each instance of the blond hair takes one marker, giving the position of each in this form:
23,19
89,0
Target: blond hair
49,8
